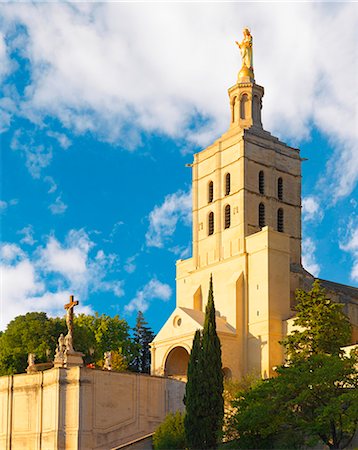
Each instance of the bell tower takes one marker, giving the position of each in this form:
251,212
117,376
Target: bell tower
246,232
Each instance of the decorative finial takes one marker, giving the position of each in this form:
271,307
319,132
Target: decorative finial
247,69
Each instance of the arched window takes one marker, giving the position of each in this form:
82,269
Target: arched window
211,192
261,215
227,184
244,104
280,188
261,182
211,224
280,219
227,216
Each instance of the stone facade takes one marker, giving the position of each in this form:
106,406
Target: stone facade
80,408
246,233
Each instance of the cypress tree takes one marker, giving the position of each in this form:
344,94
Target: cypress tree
193,396
212,401
204,390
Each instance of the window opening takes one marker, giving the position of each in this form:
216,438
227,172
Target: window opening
227,184
211,224
261,182
227,216
261,215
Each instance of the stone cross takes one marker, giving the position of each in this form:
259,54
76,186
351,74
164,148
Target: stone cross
69,315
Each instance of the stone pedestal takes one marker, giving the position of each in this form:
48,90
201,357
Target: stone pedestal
73,359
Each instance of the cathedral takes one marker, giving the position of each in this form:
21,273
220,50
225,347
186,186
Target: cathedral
246,217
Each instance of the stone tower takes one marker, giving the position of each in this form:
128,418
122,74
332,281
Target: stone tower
246,233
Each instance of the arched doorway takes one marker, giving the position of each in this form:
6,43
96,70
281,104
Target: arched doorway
176,364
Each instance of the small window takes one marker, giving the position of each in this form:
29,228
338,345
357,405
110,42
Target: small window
261,215
280,188
211,192
211,224
244,106
261,182
280,219
227,184
227,216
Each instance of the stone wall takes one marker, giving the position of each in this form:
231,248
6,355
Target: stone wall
82,408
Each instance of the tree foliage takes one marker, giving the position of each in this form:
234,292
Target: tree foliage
204,391
94,335
193,396
322,326
31,333
170,434
36,333
314,396
142,337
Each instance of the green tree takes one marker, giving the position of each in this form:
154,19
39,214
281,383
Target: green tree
31,333
193,396
142,337
36,333
314,396
323,328
204,393
170,434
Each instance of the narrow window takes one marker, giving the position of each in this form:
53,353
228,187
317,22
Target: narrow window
261,182
261,215
227,216
211,224
244,103
227,184
280,220
211,192
280,188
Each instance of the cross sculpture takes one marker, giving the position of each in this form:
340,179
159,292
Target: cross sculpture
69,322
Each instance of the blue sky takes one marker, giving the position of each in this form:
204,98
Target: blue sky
101,107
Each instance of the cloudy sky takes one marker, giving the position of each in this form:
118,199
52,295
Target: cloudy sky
101,107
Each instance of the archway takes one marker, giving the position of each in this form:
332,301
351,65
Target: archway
176,364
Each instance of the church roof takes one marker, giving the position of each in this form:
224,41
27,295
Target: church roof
350,292
221,324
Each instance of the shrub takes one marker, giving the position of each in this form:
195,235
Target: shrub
170,435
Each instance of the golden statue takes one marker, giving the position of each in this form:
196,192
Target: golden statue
247,69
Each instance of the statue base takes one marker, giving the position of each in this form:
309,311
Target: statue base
246,75
73,359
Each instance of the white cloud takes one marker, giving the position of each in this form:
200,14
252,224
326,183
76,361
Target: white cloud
5,204
44,281
117,69
154,289
61,138
5,63
37,155
309,258
28,235
164,218
18,282
58,206
10,252
351,246
52,184
130,265
7,110
311,210
181,251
